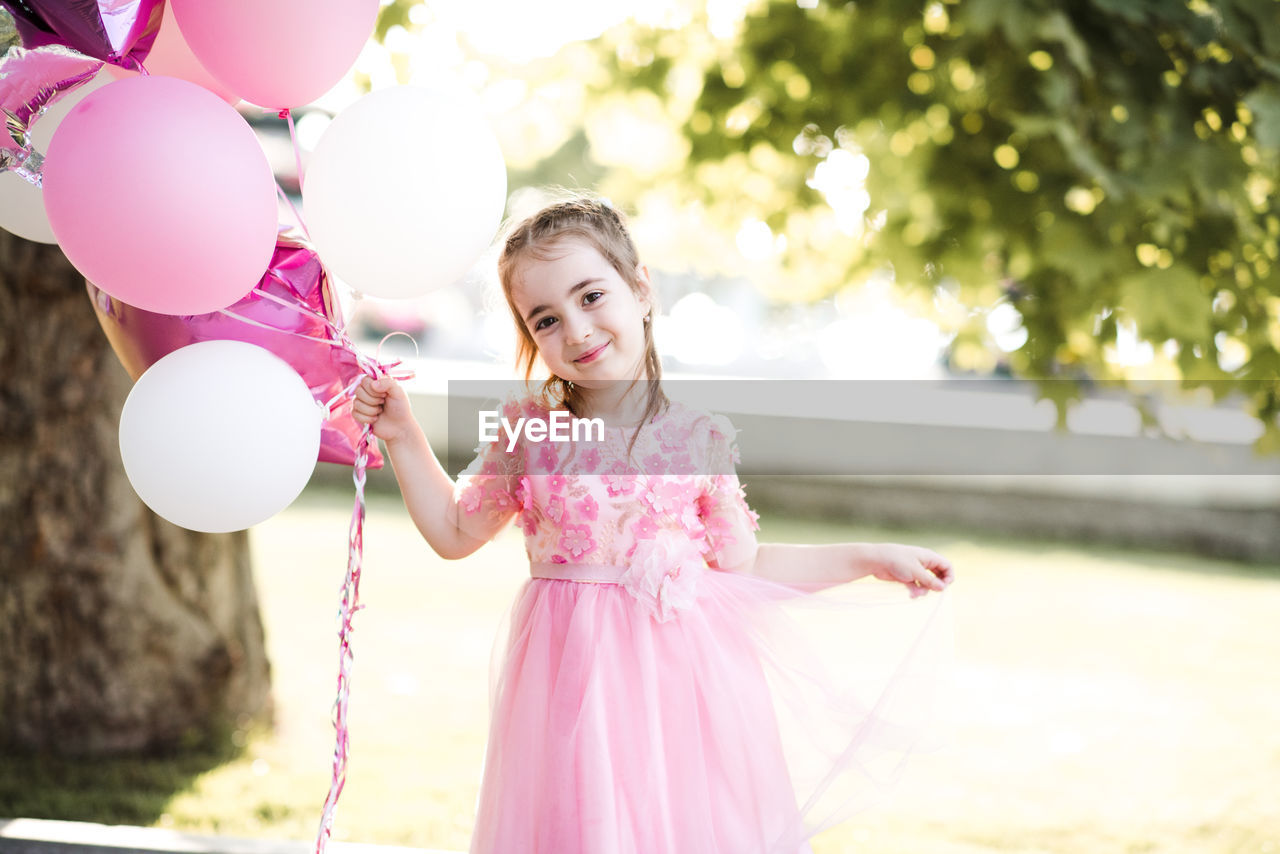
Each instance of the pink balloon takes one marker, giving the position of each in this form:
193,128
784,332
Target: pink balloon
159,193
172,57
277,53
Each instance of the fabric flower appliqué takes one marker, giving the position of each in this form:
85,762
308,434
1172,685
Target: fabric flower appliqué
619,484
645,528
470,497
666,496
753,518
672,438
555,509
547,458
663,574
682,464
576,540
524,501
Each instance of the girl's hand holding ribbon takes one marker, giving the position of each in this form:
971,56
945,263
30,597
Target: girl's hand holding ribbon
920,569
384,404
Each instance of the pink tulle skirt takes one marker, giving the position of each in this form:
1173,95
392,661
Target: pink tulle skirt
752,720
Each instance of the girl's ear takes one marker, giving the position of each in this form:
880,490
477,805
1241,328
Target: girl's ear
645,292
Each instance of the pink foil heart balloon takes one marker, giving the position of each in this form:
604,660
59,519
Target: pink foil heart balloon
292,311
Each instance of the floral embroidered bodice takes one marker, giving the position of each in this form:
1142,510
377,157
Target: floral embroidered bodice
663,510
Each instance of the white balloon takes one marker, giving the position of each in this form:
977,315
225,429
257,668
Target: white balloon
404,191
220,435
21,203
22,209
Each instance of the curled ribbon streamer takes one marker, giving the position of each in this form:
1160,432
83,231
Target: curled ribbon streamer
293,139
350,604
297,161
231,314
297,217
348,607
412,340
350,390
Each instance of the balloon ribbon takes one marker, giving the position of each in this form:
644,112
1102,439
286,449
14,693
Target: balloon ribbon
350,604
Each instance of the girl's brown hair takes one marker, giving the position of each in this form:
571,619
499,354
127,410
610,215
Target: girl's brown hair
604,229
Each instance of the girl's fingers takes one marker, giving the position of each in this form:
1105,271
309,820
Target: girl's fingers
376,392
366,411
939,569
927,578
368,394
925,582
945,572
920,570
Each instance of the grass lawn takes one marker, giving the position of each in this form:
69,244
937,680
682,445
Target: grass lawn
1105,701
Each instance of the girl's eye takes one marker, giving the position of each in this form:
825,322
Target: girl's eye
592,297
543,323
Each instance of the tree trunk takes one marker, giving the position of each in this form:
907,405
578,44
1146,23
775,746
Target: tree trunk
118,630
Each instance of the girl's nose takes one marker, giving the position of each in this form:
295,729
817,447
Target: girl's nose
576,329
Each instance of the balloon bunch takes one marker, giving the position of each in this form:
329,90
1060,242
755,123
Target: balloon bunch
124,147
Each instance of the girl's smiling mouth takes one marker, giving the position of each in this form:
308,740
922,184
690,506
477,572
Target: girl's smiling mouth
591,355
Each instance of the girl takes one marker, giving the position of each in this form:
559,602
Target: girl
655,696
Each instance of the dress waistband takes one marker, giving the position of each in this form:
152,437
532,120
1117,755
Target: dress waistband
585,572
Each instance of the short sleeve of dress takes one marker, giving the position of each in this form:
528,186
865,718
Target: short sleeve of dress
487,492
730,524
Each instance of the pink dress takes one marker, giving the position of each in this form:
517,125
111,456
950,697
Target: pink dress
648,698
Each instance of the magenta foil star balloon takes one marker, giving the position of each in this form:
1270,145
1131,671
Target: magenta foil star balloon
117,31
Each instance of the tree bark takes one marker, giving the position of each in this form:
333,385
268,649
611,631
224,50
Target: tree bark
119,632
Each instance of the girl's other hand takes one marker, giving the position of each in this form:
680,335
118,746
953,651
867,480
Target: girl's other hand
920,569
384,404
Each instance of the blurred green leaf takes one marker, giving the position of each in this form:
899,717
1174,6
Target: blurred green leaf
1167,303
1264,102
1073,250
1057,27
8,32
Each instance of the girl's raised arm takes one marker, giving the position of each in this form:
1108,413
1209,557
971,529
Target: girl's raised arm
918,569
731,527
428,491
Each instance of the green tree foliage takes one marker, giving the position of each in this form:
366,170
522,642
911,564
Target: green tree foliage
1097,164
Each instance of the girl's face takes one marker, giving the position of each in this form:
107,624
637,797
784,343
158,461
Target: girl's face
586,321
